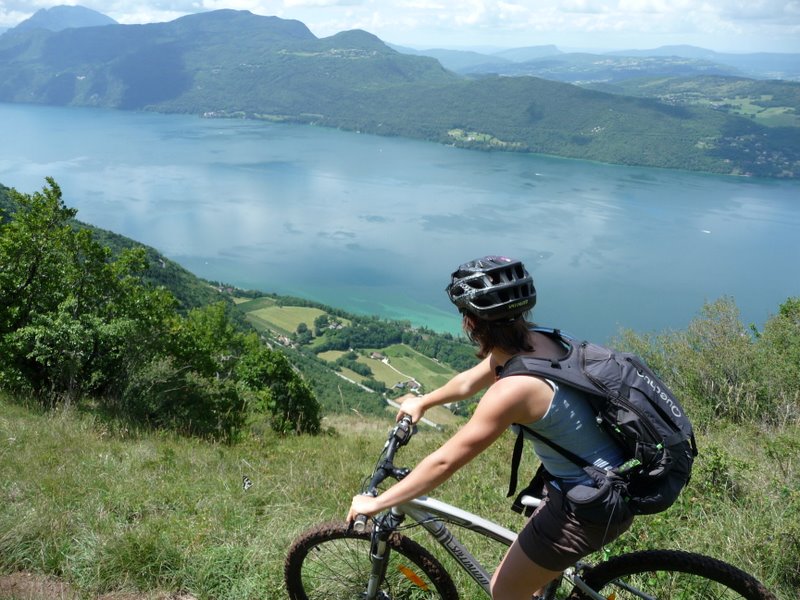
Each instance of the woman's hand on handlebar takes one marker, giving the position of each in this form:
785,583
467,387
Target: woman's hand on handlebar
411,405
363,505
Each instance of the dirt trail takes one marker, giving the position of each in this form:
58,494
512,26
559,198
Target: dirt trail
29,586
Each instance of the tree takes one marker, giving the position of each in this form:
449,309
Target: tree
320,324
303,334
33,256
278,390
70,318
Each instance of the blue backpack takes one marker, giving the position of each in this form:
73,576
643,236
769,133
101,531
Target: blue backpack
633,406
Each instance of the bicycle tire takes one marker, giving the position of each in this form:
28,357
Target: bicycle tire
331,562
671,575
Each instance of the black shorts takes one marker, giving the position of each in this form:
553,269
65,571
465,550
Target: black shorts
554,538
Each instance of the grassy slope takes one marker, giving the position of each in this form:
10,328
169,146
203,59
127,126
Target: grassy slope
106,508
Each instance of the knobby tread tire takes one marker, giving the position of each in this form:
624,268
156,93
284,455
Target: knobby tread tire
675,561
326,532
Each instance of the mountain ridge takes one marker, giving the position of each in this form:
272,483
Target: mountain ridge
234,63
535,60
64,16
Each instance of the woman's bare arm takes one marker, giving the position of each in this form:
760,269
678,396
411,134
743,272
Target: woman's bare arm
516,399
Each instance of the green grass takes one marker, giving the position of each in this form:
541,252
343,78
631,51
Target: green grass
105,508
753,107
267,314
285,318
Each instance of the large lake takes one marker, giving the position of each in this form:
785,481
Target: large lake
375,225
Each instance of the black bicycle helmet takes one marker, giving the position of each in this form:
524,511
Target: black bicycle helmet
492,288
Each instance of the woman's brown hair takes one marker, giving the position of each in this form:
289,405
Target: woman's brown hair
512,336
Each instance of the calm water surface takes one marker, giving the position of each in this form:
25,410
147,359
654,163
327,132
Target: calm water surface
375,225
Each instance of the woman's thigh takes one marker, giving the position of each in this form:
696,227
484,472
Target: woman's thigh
518,577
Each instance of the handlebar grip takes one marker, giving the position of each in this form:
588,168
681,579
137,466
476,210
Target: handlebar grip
360,523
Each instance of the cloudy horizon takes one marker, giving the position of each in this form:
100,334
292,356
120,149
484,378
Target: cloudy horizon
737,26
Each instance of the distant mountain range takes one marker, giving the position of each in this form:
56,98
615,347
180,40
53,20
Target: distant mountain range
230,63
610,67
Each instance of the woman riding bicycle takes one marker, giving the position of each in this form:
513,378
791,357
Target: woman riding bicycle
494,294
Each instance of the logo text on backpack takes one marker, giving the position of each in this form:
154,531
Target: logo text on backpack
674,408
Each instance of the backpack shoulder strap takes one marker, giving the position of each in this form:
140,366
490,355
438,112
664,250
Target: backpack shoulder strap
566,369
516,457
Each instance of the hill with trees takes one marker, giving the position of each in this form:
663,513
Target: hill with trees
774,103
585,67
235,64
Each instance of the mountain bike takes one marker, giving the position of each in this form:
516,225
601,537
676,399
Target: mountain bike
372,560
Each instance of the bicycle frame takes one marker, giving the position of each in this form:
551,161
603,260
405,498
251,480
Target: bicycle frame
430,514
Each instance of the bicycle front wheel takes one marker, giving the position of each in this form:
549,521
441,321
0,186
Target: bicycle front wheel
671,575
332,562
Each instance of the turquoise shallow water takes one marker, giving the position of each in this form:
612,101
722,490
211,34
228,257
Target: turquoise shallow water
376,225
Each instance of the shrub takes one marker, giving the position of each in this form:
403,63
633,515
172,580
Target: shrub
778,364
166,395
710,367
278,391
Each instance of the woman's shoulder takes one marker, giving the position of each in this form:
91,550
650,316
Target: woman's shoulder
527,396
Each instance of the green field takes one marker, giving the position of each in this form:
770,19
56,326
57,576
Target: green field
760,109
430,373
284,319
384,373
404,363
268,313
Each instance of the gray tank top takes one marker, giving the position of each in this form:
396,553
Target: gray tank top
570,423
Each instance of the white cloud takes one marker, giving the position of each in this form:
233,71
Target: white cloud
583,6
763,24
759,10
320,3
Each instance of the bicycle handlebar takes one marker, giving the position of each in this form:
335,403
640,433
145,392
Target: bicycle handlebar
398,437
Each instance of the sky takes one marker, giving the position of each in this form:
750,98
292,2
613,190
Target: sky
721,25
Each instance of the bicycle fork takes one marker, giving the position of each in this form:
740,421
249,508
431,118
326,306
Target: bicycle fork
379,553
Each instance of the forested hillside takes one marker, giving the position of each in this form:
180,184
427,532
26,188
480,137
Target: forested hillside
768,102
90,317
233,63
